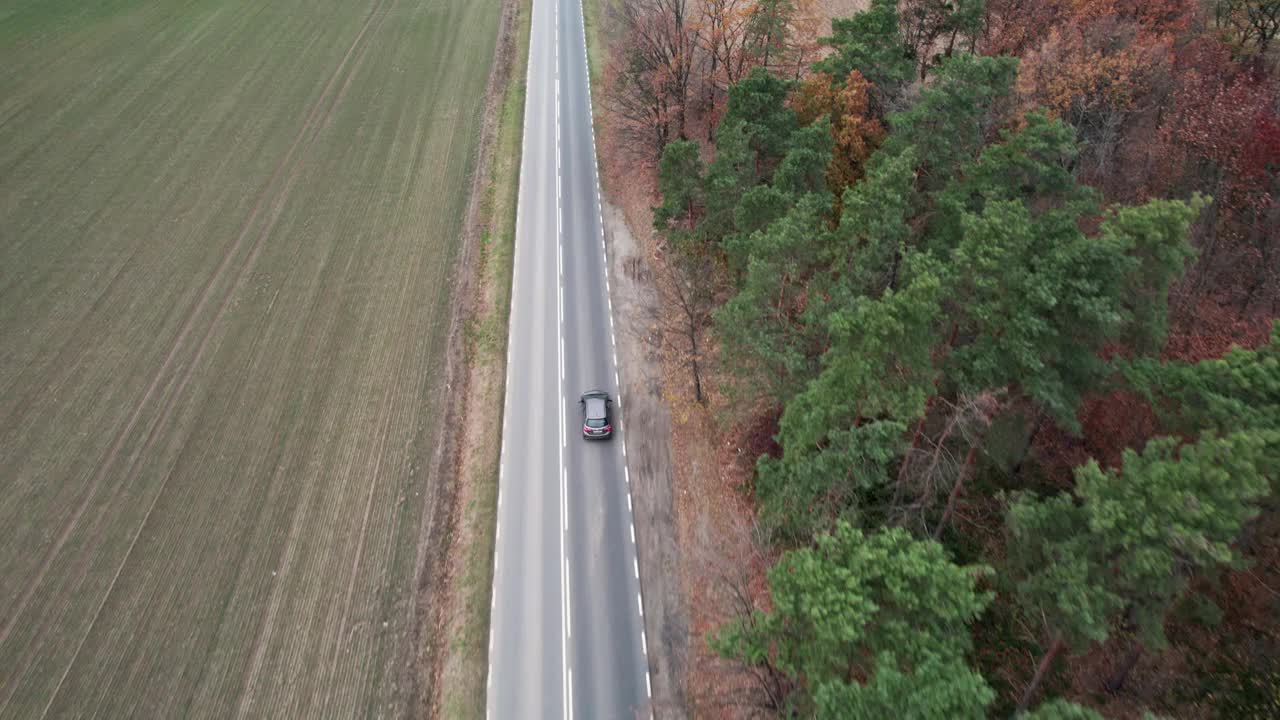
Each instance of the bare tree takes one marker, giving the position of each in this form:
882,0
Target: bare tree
729,558
1255,23
679,322
722,58
650,69
941,465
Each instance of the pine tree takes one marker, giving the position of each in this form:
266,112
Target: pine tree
871,43
859,605
1126,541
935,689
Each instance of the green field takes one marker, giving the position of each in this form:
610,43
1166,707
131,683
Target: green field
228,230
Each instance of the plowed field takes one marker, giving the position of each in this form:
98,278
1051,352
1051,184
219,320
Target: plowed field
227,235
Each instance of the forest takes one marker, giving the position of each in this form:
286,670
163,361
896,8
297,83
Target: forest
994,285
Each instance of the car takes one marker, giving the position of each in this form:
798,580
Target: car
596,424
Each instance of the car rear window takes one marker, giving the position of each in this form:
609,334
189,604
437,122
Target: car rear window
595,422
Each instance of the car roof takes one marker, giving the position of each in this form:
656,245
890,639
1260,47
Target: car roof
595,405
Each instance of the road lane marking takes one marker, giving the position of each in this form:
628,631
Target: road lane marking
644,644
566,697
633,533
634,562
640,604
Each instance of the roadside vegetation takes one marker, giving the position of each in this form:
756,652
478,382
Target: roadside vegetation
986,295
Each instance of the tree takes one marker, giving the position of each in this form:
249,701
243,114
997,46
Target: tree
870,42
857,605
650,71
1125,542
1240,390
1099,70
687,287
724,56
757,103
764,328
767,31
680,184
1038,299
843,432
1254,23
854,131
936,688
950,123
932,28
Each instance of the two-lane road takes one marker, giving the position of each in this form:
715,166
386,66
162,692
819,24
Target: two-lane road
566,633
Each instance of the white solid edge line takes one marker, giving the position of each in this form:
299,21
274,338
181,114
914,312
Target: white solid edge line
566,698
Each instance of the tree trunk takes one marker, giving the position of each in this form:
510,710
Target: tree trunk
1116,682
1029,694
955,490
915,444
1016,471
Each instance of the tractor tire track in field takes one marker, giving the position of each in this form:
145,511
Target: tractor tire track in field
289,169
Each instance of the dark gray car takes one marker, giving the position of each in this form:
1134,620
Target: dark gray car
596,424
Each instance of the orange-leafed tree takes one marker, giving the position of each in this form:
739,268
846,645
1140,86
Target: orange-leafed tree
1102,73
855,130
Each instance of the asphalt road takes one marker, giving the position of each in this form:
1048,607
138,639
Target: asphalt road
566,633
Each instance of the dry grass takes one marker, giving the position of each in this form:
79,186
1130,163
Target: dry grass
227,236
